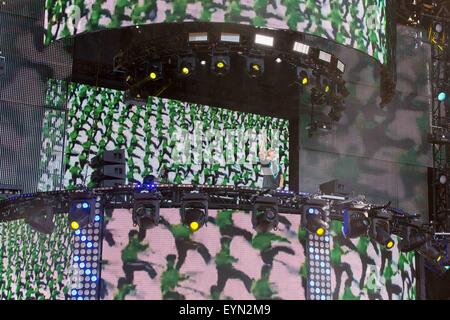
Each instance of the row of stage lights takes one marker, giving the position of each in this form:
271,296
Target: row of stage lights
323,76
265,217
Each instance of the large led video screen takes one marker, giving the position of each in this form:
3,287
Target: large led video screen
364,270
35,266
360,24
192,143
226,259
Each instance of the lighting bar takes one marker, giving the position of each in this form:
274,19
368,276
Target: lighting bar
331,197
198,36
301,47
340,66
264,40
324,56
230,37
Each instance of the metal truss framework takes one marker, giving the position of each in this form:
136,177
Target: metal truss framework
440,120
219,197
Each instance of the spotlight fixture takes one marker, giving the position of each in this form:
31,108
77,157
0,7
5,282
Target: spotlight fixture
412,239
356,224
379,231
265,214
220,64
203,62
304,76
340,66
428,251
301,47
229,37
154,71
198,37
436,138
438,27
129,80
278,60
264,40
41,220
443,179
325,85
255,66
324,56
441,96
186,66
194,210
81,210
313,219
146,209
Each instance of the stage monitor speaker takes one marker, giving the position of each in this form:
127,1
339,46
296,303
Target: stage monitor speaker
109,169
334,187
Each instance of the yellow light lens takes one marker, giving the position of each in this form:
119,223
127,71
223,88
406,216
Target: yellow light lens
327,88
390,244
220,64
185,70
305,81
153,75
320,232
129,78
74,225
194,225
438,258
255,67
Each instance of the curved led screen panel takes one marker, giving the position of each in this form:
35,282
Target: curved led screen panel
360,24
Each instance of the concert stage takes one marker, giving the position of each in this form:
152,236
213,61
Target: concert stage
223,150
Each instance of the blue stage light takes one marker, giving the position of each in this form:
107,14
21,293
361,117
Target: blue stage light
88,271
93,278
83,238
74,292
82,265
78,232
441,96
76,258
85,205
97,218
80,298
89,244
311,210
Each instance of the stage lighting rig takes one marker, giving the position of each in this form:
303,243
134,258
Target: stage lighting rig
321,127
313,217
439,138
154,71
146,209
220,64
428,251
194,210
324,85
356,224
304,76
301,48
265,213
186,65
412,239
379,231
264,40
81,210
254,66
